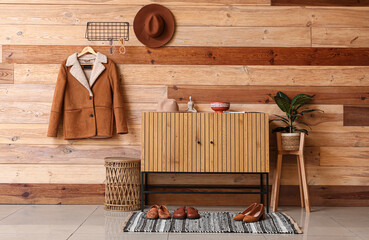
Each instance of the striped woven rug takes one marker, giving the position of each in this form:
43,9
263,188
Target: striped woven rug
212,222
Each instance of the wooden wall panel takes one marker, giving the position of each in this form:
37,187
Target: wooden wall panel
44,93
344,156
6,73
356,116
339,16
52,193
191,15
188,15
321,196
340,37
143,2
91,174
200,36
259,94
199,55
65,154
223,43
354,3
52,173
24,112
36,133
94,194
212,75
35,112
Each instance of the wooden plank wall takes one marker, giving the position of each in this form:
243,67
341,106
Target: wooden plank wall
225,44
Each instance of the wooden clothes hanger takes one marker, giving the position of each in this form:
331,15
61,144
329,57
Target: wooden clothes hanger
87,49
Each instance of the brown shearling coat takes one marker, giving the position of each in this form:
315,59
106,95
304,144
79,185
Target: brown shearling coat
87,111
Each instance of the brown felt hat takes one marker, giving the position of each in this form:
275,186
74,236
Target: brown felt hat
154,25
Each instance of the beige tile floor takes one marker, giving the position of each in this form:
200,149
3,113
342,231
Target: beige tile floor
80,222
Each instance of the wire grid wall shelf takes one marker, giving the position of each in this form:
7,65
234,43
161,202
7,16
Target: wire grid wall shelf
107,31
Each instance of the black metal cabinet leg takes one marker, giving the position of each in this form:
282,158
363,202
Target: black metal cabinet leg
146,177
142,191
261,188
267,191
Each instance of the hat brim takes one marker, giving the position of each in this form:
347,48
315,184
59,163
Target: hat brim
139,25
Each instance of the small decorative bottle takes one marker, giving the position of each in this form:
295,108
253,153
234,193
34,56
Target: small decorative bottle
190,106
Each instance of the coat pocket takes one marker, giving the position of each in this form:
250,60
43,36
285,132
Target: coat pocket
104,121
76,123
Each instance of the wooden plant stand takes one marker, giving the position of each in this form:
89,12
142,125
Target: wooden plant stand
304,193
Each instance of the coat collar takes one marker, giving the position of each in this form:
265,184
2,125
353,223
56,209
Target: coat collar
77,72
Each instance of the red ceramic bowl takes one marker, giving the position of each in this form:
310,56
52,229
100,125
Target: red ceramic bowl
219,107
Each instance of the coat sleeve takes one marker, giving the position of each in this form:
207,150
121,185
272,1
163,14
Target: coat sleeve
119,113
57,105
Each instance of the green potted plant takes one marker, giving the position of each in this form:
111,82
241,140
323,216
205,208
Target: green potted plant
293,120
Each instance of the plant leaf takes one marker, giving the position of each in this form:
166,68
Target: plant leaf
305,124
284,96
310,110
301,99
280,120
281,117
283,104
280,129
302,130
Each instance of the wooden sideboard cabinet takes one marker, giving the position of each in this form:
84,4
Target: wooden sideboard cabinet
218,143
205,142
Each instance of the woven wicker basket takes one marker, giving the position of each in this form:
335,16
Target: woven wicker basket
122,184
290,141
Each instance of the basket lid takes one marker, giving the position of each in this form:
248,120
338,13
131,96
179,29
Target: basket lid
121,159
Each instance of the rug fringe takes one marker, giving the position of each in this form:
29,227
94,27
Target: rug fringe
298,229
126,221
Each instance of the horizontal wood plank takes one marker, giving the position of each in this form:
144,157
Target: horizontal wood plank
356,116
316,175
52,193
52,173
339,16
330,196
340,37
212,75
36,133
142,2
190,15
198,55
91,174
344,156
354,3
35,112
94,194
339,139
44,93
200,36
24,112
289,196
63,154
259,94
6,73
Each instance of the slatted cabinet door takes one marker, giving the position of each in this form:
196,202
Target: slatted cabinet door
205,142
